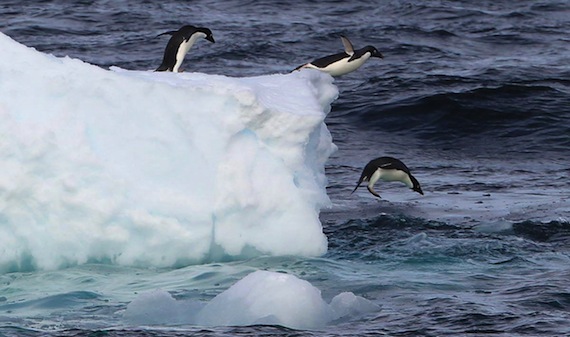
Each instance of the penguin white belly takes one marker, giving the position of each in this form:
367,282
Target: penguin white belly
394,175
344,67
184,48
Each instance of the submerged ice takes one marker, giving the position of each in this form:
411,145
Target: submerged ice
157,169
262,297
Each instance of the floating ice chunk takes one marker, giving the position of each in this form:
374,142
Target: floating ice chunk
160,308
347,304
261,297
265,297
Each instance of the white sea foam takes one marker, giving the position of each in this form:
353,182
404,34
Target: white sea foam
261,297
158,169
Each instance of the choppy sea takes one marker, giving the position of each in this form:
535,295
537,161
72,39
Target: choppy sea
473,96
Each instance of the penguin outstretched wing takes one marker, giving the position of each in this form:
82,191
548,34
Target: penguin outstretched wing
348,48
362,177
171,32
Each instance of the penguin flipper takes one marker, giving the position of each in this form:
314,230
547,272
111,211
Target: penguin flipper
348,48
171,32
354,190
363,177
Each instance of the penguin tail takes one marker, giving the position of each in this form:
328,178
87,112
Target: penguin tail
163,68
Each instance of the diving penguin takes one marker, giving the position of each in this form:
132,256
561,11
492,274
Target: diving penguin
179,44
343,63
387,169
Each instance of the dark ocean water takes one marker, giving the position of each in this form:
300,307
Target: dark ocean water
473,96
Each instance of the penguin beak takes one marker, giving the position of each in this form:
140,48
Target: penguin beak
379,55
210,38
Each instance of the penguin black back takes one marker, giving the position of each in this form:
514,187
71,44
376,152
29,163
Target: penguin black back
325,61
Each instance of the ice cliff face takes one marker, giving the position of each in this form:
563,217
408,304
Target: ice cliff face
159,169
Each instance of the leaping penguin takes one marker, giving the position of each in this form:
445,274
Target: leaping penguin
387,169
343,63
179,44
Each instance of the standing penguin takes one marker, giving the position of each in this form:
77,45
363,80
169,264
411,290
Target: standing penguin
343,63
387,169
179,44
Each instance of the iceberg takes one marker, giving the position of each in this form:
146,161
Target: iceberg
140,168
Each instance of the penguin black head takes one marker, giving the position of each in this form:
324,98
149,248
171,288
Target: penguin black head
374,52
416,185
208,33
